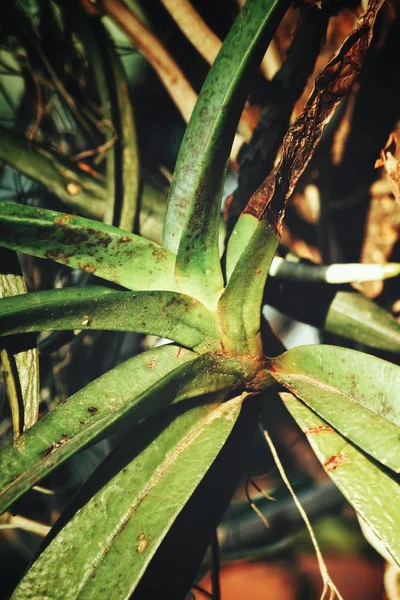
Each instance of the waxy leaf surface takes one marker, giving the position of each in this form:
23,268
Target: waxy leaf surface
356,393
164,314
108,252
373,493
126,521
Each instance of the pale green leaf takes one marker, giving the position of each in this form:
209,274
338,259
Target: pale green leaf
354,392
108,252
373,493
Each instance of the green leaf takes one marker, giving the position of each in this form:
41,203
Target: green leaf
126,521
354,392
192,220
19,358
108,252
122,166
77,189
373,493
357,318
84,416
133,390
240,304
165,314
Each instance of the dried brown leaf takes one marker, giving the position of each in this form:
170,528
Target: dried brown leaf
391,165
334,81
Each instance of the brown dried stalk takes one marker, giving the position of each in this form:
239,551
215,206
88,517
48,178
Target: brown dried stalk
194,28
168,71
334,81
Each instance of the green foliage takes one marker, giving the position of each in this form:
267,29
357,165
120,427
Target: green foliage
209,308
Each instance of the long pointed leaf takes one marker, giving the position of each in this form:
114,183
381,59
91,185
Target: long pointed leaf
373,493
126,394
94,247
128,518
165,314
84,417
192,220
354,392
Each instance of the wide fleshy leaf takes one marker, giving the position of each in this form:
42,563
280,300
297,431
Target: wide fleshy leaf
358,318
19,358
82,418
126,521
164,314
133,390
194,203
354,392
344,313
373,493
108,252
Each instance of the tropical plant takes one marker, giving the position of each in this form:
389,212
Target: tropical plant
183,413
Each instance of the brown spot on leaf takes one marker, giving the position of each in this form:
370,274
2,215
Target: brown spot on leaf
56,445
63,220
142,543
319,429
92,410
152,363
333,462
88,268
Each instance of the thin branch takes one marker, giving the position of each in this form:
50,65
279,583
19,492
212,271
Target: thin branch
162,62
195,29
168,71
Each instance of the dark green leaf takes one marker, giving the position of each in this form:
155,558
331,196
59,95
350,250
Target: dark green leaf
192,220
164,314
77,189
126,521
122,167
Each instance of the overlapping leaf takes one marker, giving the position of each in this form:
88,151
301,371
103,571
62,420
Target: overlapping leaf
373,493
133,390
164,314
354,392
125,522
